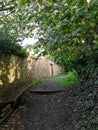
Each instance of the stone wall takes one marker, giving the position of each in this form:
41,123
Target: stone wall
46,68
40,69
16,71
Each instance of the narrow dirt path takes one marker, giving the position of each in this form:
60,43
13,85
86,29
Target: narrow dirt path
46,106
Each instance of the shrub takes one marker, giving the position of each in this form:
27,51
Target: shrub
70,79
9,47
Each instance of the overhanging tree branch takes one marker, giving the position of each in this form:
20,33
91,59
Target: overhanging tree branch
6,9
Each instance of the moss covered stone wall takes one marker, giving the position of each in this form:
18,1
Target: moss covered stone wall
16,71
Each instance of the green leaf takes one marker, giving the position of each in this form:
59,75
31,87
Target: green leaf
22,2
30,17
93,2
74,33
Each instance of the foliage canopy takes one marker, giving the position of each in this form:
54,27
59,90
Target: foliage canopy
67,30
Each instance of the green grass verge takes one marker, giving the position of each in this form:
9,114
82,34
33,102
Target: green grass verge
70,79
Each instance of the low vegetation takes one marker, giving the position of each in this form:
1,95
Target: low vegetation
70,79
67,30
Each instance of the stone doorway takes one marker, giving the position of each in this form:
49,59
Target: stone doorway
51,69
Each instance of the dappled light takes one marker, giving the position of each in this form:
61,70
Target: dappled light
61,46
14,71
88,1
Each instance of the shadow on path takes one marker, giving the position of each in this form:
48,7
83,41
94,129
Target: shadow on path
54,110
